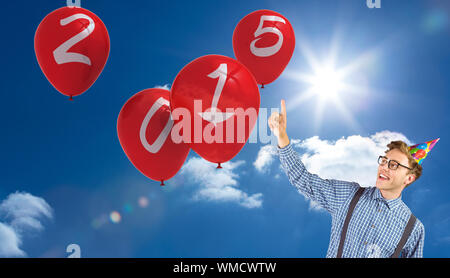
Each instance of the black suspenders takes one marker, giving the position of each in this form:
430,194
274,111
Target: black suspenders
400,245
406,233
347,220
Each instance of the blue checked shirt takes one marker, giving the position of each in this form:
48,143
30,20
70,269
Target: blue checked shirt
376,225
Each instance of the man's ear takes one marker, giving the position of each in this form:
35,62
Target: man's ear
410,178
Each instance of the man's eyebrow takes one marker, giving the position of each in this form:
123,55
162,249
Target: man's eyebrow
390,159
394,161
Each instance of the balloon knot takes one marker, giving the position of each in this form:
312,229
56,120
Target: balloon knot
262,86
70,98
162,183
219,166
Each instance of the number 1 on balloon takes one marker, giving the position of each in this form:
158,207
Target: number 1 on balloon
213,115
221,73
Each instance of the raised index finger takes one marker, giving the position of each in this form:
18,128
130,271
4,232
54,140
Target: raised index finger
283,108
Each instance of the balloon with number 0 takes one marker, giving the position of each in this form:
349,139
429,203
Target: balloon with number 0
144,128
72,46
217,91
264,42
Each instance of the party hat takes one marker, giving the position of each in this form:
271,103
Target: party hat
420,151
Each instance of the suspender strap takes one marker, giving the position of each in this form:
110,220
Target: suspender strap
347,220
406,233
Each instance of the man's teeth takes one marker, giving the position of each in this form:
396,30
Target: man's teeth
383,177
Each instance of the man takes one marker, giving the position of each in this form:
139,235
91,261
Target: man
366,222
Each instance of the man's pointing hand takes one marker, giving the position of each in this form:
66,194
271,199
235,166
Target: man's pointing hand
278,124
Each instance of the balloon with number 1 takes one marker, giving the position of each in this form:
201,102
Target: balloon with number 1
227,96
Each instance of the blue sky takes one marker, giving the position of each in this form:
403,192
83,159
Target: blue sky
68,153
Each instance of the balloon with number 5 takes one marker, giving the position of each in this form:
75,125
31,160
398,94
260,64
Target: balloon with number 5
144,128
264,42
222,98
72,46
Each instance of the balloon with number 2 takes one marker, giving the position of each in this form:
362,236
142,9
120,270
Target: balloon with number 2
72,46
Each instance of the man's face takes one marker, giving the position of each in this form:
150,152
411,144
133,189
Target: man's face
388,179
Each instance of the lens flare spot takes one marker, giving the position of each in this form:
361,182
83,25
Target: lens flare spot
128,208
115,217
435,21
98,222
143,202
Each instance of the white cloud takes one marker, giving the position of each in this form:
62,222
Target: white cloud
315,206
219,185
20,213
9,242
265,158
351,159
165,87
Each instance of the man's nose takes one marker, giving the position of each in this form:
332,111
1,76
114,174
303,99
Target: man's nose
385,167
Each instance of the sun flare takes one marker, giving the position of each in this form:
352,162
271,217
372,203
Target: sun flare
334,86
326,82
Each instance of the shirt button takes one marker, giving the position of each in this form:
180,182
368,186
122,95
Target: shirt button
373,226
379,210
365,242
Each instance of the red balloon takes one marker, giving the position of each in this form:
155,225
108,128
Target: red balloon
421,153
144,126
264,42
72,47
216,91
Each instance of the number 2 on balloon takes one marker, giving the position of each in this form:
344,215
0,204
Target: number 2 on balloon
61,54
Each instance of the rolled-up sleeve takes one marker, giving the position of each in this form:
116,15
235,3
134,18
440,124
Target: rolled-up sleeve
329,194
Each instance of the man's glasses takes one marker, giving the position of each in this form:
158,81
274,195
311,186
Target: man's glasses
392,164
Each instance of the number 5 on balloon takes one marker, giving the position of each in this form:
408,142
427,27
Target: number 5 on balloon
61,55
267,51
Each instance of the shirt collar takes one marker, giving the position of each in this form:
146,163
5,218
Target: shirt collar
391,204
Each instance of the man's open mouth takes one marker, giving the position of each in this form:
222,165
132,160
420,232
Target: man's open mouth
383,177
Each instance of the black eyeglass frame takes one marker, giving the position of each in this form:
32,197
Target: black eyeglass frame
389,163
